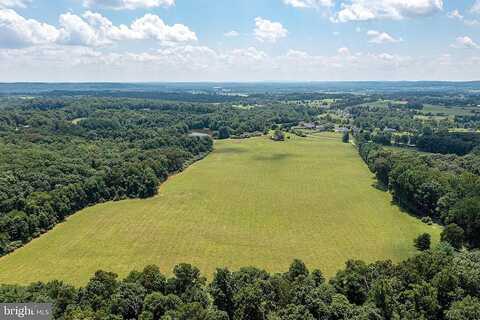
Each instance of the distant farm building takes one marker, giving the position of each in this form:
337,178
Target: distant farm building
308,125
201,133
342,129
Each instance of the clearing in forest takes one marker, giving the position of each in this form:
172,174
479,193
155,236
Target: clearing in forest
251,202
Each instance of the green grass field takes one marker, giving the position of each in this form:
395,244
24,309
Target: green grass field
382,103
405,149
452,111
251,202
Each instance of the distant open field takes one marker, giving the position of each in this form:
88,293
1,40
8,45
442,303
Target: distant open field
448,111
394,148
382,103
251,202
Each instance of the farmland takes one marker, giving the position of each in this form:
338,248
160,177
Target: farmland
383,103
447,111
251,202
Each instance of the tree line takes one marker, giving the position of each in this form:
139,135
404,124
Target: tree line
434,285
445,189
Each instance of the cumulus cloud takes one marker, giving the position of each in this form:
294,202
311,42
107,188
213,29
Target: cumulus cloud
363,10
13,3
17,31
309,3
381,37
128,4
465,43
231,34
476,7
455,14
90,29
192,58
344,51
296,54
76,31
472,22
268,31
249,55
195,63
152,27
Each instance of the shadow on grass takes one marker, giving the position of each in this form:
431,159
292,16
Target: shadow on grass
402,207
380,186
230,151
273,157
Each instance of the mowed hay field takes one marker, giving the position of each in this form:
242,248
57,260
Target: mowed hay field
251,202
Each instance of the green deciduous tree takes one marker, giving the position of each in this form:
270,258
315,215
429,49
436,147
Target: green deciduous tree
223,133
454,235
423,242
467,309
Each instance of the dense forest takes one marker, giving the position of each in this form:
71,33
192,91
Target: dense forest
436,284
61,155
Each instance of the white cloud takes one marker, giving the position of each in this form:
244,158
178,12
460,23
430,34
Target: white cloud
381,37
128,4
386,57
344,51
192,58
309,3
472,22
363,10
16,31
476,7
465,43
76,31
13,3
90,29
266,30
199,63
455,14
296,54
231,34
249,54
152,27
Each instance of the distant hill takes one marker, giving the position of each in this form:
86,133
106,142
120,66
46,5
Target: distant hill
229,89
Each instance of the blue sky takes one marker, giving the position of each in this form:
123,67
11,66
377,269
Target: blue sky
239,40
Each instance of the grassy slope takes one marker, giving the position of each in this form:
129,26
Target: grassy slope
252,202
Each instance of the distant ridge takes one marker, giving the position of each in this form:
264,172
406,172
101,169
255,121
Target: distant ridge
225,88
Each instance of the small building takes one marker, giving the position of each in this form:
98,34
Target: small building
342,129
308,125
199,134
